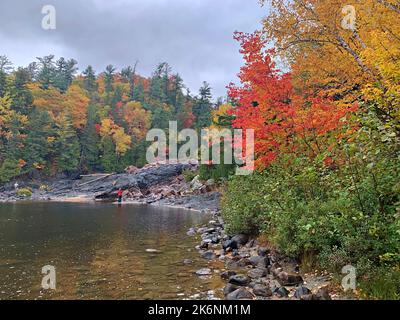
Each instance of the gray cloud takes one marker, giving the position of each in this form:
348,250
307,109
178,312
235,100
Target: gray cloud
194,37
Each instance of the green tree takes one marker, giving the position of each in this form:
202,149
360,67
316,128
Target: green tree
109,159
128,74
67,145
5,67
46,73
38,140
89,82
8,170
64,73
21,96
202,107
109,78
91,140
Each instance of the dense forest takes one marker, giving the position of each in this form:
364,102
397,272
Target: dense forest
53,120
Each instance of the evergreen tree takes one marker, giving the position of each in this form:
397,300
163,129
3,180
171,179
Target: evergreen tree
3,83
89,82
139,94
5,67
37,149
21,96
109,159
109,78
64,73
159,83
91,140
46,72
202,107
128,74
67,145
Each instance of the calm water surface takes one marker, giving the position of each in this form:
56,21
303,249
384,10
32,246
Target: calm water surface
99,251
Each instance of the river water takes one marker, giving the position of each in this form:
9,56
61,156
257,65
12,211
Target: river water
100,251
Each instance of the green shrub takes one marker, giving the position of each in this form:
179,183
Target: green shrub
216,172
189,174
24,192
8,170
342,214
383,284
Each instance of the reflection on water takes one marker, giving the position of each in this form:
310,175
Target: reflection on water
99,251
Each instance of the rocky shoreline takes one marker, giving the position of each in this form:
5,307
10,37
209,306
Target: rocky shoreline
251,270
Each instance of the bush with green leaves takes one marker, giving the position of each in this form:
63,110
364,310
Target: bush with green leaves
189,174
345,213
24,192
9,169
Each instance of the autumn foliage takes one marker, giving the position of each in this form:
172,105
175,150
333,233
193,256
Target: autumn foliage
283,119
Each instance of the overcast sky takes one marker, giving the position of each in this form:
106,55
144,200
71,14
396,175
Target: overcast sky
193,36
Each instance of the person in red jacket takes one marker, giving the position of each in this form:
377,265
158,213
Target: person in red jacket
120,194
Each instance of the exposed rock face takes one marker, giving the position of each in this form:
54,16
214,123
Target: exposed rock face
142,179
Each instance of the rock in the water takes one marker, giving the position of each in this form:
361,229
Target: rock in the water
227,274
240,294
301,291
282,292
209,255
153,251
187,261
257,273
261,290
230,288
204,272
239,279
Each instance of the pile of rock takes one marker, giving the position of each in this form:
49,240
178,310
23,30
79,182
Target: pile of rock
252,271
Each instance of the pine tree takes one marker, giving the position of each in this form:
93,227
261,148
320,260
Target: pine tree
202,107
139,92
109,78
5,67
67,145
37,149
64,73
91,140
46,71
129,74
89,82
109,159
21,96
